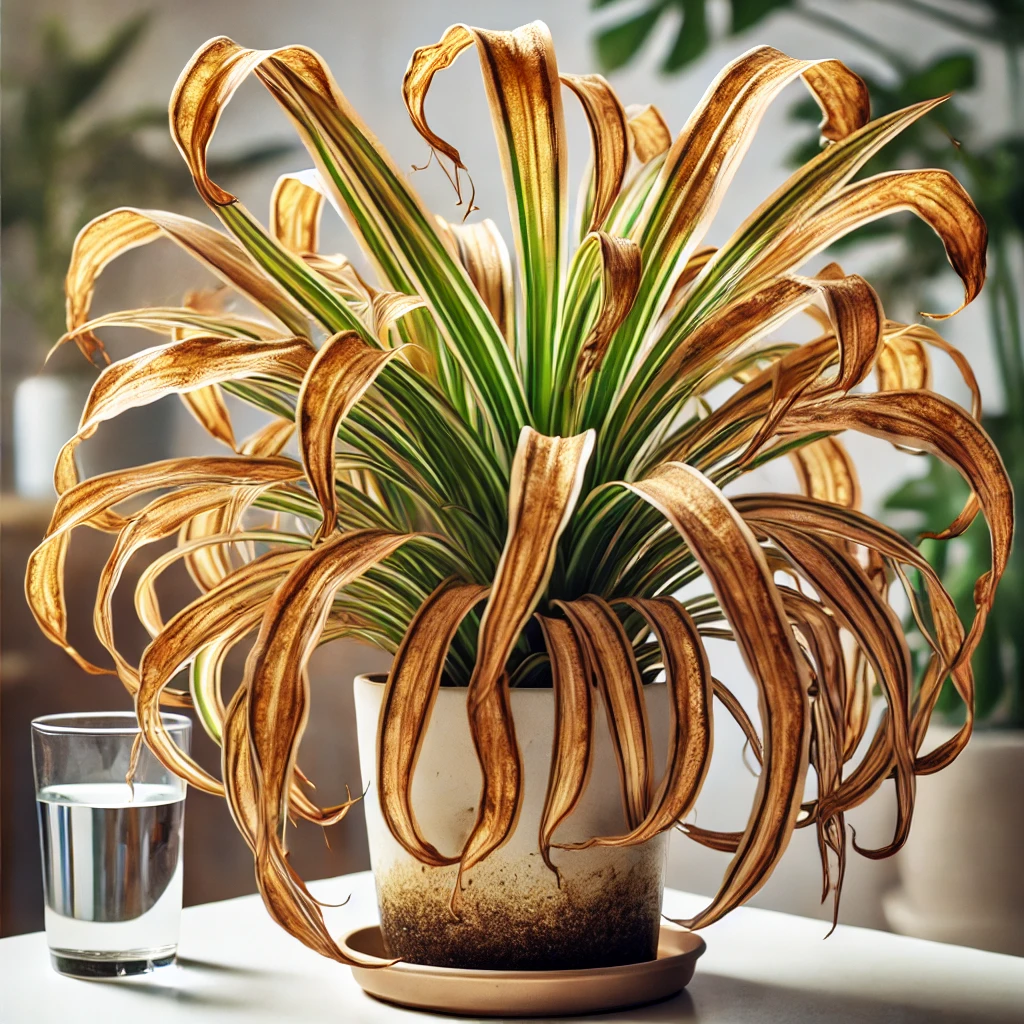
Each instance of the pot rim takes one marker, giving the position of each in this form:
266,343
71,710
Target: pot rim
990,738
381,678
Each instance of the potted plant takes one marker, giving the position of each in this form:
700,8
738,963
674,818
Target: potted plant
519,492
62,165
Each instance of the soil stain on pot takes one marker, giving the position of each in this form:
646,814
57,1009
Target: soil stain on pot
515,917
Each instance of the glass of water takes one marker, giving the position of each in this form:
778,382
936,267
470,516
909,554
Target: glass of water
111,852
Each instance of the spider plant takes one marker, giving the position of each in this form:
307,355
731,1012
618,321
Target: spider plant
511,477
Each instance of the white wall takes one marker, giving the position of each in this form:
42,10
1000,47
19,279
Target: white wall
368,45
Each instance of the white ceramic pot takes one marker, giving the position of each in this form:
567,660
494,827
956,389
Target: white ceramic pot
46,413
960,871
513,913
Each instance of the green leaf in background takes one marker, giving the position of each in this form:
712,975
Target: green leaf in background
77,76
619,44
748,13
691,37
62,165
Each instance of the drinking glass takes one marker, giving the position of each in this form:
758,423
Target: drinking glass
111,852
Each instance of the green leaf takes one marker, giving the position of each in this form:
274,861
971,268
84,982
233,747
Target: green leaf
951,73
77,78
748,13
619,44
692,38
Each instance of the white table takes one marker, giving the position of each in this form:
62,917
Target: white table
764,967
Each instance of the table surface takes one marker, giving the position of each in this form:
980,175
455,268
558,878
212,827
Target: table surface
236,965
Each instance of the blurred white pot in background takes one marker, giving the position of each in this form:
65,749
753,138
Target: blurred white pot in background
46,413
961,877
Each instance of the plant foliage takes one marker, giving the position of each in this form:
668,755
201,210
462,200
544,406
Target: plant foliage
989,158
510,478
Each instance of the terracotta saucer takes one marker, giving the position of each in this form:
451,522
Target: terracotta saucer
527,993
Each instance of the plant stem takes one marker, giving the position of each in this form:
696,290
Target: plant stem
952,21
1004,315
1013,74
838,27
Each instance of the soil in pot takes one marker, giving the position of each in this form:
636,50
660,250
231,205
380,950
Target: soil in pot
514,914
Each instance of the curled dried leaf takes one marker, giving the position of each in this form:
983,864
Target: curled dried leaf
44,576
926,420
743,584
482,251
236,605
547,477
648,131
619,263
408,702
933,195
187,365
295,207
338,377
279,706
609,136
689,682
572,748
524,95
615,672
826,471
110,235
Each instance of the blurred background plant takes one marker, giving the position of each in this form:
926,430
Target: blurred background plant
989,159
62,164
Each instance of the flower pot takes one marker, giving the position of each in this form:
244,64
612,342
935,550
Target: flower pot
960,871
46,412
513,913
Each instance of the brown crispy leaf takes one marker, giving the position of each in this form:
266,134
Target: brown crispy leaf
183,366
846,590
520,75
110,235
842,96
279,706
341,373
482,251
170,319
856,317
609,137
408,702
925,420
826,471
703,159
572,748
614,669
736,569
688,678
620,278
237,604
852,527
161,517
933,195
547,477
295,207
207,405
903,363
44,577
648,131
